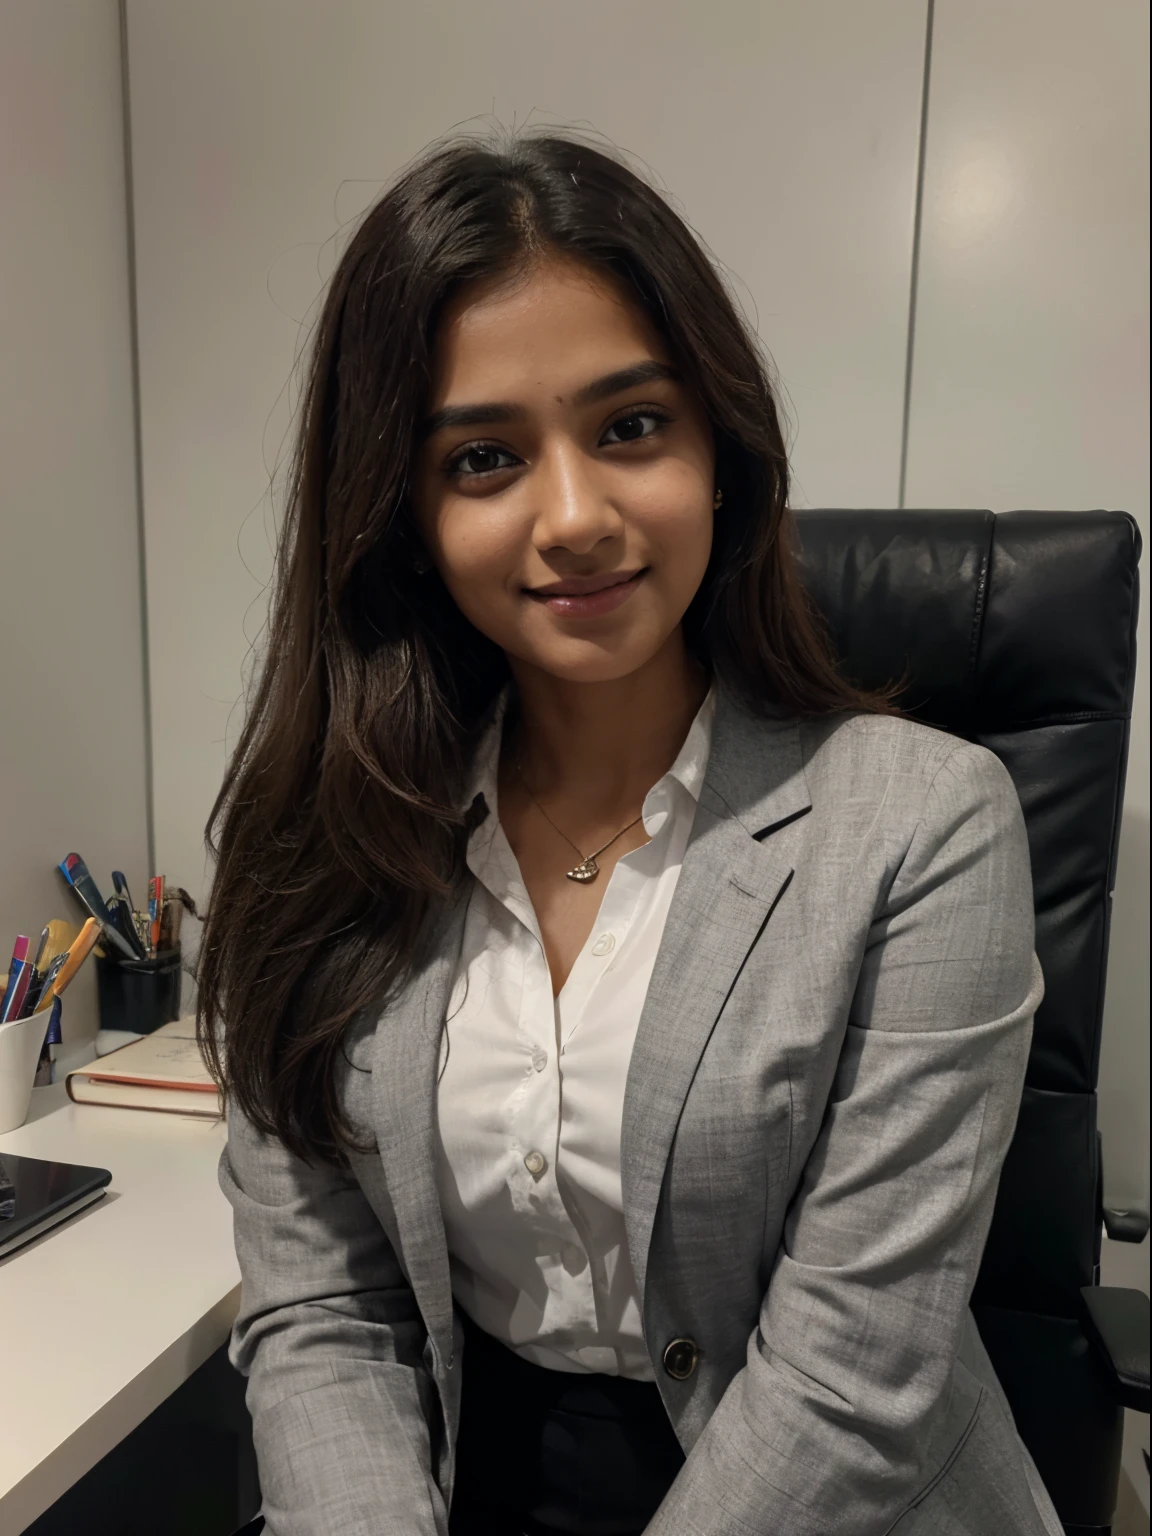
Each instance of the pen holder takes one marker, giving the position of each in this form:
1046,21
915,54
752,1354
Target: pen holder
20,1047
138,995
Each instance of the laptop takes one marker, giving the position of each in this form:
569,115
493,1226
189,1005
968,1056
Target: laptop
36,1195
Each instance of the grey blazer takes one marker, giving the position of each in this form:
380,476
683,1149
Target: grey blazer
825,1079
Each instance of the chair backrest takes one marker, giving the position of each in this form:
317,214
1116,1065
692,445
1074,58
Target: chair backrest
1017,631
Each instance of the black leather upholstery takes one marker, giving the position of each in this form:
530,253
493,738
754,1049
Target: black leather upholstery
1018,631
1116,1320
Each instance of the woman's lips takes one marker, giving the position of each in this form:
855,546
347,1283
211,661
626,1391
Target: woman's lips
590,604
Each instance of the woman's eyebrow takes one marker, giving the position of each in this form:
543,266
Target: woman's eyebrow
599,389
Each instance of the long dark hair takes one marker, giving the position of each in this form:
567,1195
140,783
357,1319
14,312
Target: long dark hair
336,831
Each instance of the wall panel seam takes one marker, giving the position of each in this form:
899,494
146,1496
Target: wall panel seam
914,275
137,439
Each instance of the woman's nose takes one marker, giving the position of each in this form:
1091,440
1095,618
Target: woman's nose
573,509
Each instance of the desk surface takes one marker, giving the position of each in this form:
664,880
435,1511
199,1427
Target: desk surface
103,1317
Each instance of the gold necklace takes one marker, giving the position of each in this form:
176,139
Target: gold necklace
588,868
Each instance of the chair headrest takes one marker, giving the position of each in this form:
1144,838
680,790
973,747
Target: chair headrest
1000,621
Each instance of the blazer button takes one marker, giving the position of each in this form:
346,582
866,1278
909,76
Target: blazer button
680,1358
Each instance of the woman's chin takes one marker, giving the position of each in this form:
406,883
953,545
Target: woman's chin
602,660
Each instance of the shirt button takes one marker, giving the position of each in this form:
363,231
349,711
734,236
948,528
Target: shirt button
535,1163
604,945
539,1059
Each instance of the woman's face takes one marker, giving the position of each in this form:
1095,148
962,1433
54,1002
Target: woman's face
566,506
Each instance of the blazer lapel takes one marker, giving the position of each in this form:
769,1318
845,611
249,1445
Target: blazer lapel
406,1056
729,884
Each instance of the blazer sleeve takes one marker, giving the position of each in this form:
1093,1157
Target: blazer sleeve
835,1426
330,1338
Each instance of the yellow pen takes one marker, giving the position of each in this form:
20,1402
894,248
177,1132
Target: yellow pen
72,959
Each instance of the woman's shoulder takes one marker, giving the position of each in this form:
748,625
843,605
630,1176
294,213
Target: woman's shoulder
893,758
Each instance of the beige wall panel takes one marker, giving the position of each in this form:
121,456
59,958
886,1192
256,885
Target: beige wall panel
73,743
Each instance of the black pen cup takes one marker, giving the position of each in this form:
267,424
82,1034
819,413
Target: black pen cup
138,995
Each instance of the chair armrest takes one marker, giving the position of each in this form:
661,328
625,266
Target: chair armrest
1127,1225
1116,1322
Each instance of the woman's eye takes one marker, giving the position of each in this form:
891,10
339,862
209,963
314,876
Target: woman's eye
482,451
633,419
484,457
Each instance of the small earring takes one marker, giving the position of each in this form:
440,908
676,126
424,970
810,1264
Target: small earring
716,500
421,566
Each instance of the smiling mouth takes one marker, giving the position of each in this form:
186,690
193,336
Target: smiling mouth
585,586
577,598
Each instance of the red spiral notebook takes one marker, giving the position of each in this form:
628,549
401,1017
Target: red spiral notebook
163,1071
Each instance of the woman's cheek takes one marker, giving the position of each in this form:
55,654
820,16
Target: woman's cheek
482,592
681,546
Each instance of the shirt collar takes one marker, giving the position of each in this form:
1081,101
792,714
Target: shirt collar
692,761
482,777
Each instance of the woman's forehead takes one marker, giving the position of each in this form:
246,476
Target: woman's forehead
555,330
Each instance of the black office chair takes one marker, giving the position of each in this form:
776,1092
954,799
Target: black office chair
1018,631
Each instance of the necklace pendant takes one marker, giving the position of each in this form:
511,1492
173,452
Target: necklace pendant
586,870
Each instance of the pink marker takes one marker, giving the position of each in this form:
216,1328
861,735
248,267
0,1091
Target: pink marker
19,975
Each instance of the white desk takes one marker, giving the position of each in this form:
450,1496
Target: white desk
103,1317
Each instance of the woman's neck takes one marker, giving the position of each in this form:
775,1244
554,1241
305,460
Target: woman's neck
604,745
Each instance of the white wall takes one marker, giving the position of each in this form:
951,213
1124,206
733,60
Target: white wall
787,133
1030,378
73,740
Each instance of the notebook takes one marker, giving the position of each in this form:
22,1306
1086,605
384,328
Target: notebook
36,1195
162,1071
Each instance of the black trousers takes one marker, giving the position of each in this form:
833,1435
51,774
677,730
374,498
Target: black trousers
542,1451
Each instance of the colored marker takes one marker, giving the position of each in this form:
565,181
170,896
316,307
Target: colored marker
36,980
19,975
155,912
75,871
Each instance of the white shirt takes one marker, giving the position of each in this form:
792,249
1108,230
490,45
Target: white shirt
531,1091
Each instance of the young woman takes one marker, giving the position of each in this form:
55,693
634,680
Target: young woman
623,1018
